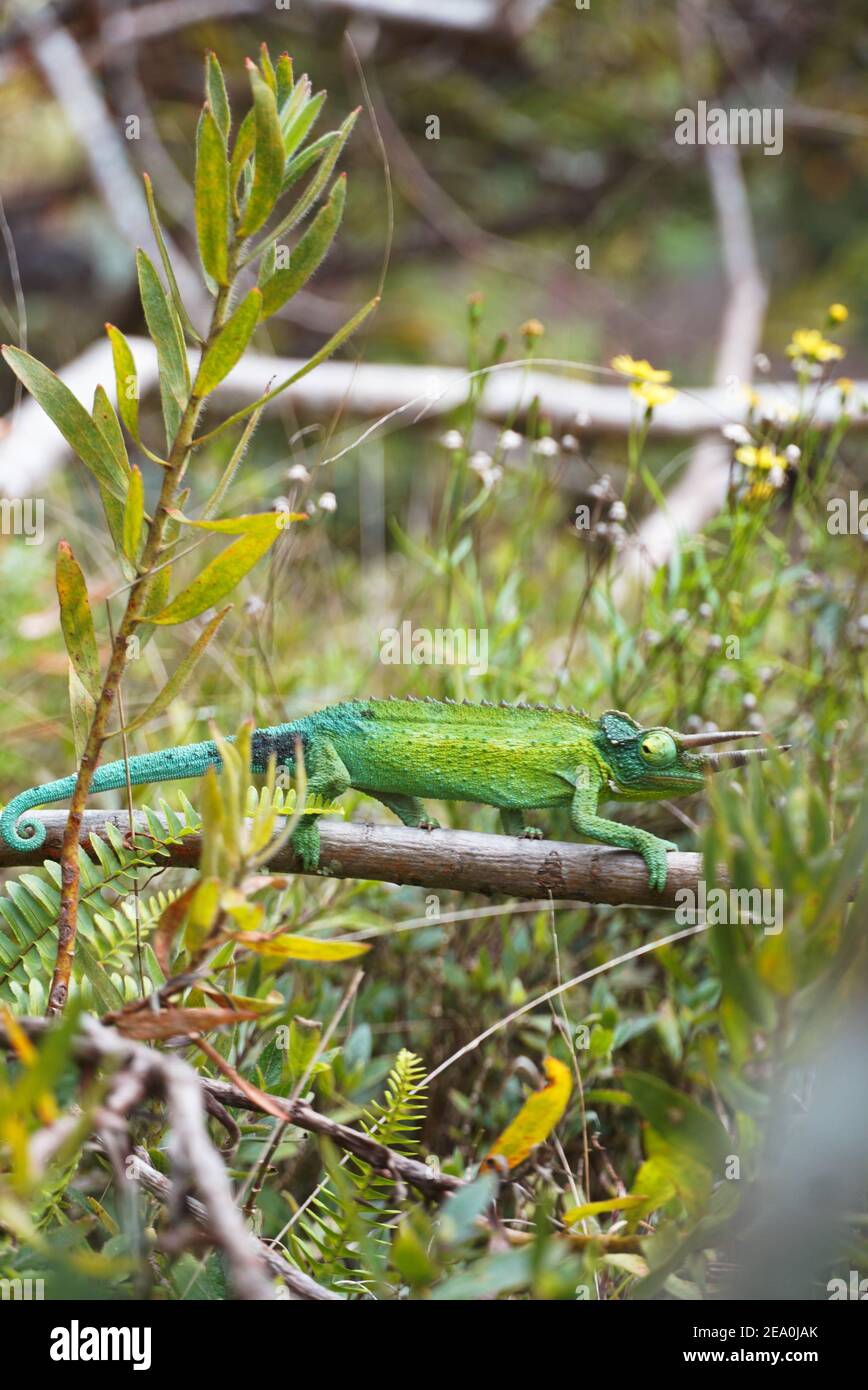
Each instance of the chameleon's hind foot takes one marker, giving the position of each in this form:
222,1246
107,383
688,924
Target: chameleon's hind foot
428,823
532,832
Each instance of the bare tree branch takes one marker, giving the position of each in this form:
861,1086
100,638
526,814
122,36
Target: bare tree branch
701,491
494,865
31,448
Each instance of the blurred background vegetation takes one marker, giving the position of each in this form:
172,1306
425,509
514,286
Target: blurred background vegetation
552,134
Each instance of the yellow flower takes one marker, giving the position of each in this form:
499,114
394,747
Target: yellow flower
758,493
838,313
640,371
809,345
762,457
532,329
845,386
651,394
752,398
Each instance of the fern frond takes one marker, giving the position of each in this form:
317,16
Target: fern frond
357,1198
283,803
105,949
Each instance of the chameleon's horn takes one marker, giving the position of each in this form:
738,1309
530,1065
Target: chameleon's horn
737,757
719,736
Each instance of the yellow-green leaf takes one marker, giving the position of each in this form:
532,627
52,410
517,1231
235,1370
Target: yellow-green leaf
212,198
126,379
284,80
681,1123
221,355
165,330
134,513
220,576
267,67
535,1120
309,254
256,523
107,423
69,415
182,673
76,620
289,947
174,290
81,707
268,160
324,352
301,122
597,1208
215,89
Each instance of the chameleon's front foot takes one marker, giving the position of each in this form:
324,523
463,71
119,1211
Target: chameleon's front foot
427,823
532,832
305,843
654,852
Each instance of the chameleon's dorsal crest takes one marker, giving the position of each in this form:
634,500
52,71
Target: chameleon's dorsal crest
618,726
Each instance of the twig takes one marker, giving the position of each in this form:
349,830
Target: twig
494,865
31,448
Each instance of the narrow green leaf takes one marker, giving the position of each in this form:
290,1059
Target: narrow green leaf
267,67
176,682
302,123
166,333
134,514
308,254
313,190
220,576
107,423
126,379
81,707
183,316
255,523
290,947
299,98
69,415
215,91
231,468
268,166
212,198
267,265
284,80
242,150
76,620
299,166
346,331
323,173
221,356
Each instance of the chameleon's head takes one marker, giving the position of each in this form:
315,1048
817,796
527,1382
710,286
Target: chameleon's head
649,763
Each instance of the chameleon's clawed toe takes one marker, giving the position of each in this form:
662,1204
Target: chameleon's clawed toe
429,823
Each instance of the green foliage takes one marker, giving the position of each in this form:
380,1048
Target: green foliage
345,1224
105,964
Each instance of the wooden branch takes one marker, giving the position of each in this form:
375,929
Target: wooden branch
429,1181
299,1284
494,865
701,492
98,1043
31,448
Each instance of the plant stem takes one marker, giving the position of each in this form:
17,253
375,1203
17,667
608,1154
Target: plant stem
67,920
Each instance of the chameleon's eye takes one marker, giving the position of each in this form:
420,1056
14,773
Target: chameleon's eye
658,749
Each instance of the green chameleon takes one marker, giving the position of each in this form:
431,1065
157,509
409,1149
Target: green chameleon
516,757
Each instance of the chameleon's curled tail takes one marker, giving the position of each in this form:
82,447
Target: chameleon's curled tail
24,832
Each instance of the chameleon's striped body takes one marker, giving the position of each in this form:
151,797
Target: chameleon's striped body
514,757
